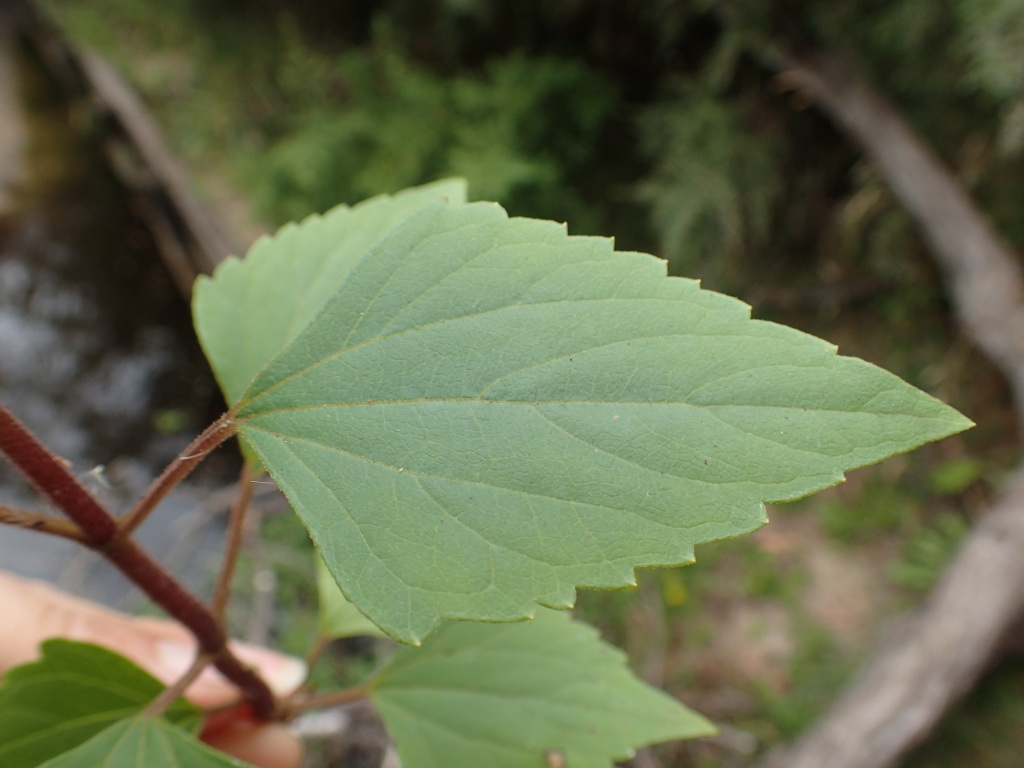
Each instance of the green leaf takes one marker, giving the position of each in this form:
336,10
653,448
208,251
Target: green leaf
248,311
338,617
489,414
507,695
143,742
70,694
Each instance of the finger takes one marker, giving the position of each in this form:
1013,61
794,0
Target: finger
265,745
284,674
36,611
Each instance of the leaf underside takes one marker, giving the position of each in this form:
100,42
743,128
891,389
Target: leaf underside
73,692
489,413
249,311
338,618
143,742
510,695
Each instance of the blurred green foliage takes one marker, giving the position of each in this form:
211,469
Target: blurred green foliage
821,667
956,475
411,124
926,551
881,507
657,122
714,184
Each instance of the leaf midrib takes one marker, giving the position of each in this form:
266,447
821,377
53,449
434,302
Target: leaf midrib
343,350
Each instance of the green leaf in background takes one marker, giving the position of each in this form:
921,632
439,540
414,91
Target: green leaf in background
68,696
143,742
489,414
249,310
507,695
338,617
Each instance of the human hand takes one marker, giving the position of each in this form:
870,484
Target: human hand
35,611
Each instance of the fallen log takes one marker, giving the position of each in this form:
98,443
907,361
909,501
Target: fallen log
936,655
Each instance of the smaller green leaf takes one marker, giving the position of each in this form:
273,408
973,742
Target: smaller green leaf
143,742
512,695
338,617
69,695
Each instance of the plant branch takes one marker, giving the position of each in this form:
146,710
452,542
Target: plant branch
299,704
233,544
182,605
262,577
51,477
35,521
176,471
100,531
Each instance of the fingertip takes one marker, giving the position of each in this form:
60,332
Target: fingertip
264,745
283,674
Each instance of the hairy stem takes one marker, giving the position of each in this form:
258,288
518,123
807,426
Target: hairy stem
236,531
35,521
51,477
100,530
176,471
165,590
299,704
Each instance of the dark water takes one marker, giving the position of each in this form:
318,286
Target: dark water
97,354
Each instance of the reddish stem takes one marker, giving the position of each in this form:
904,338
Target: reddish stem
135,563
299,704
50,475
101,532
176,471
233,544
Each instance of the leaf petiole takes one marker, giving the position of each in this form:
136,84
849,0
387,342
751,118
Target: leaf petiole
233,544
176,471
298,704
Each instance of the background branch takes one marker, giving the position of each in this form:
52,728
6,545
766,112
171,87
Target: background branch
981,271
939,652
100,531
